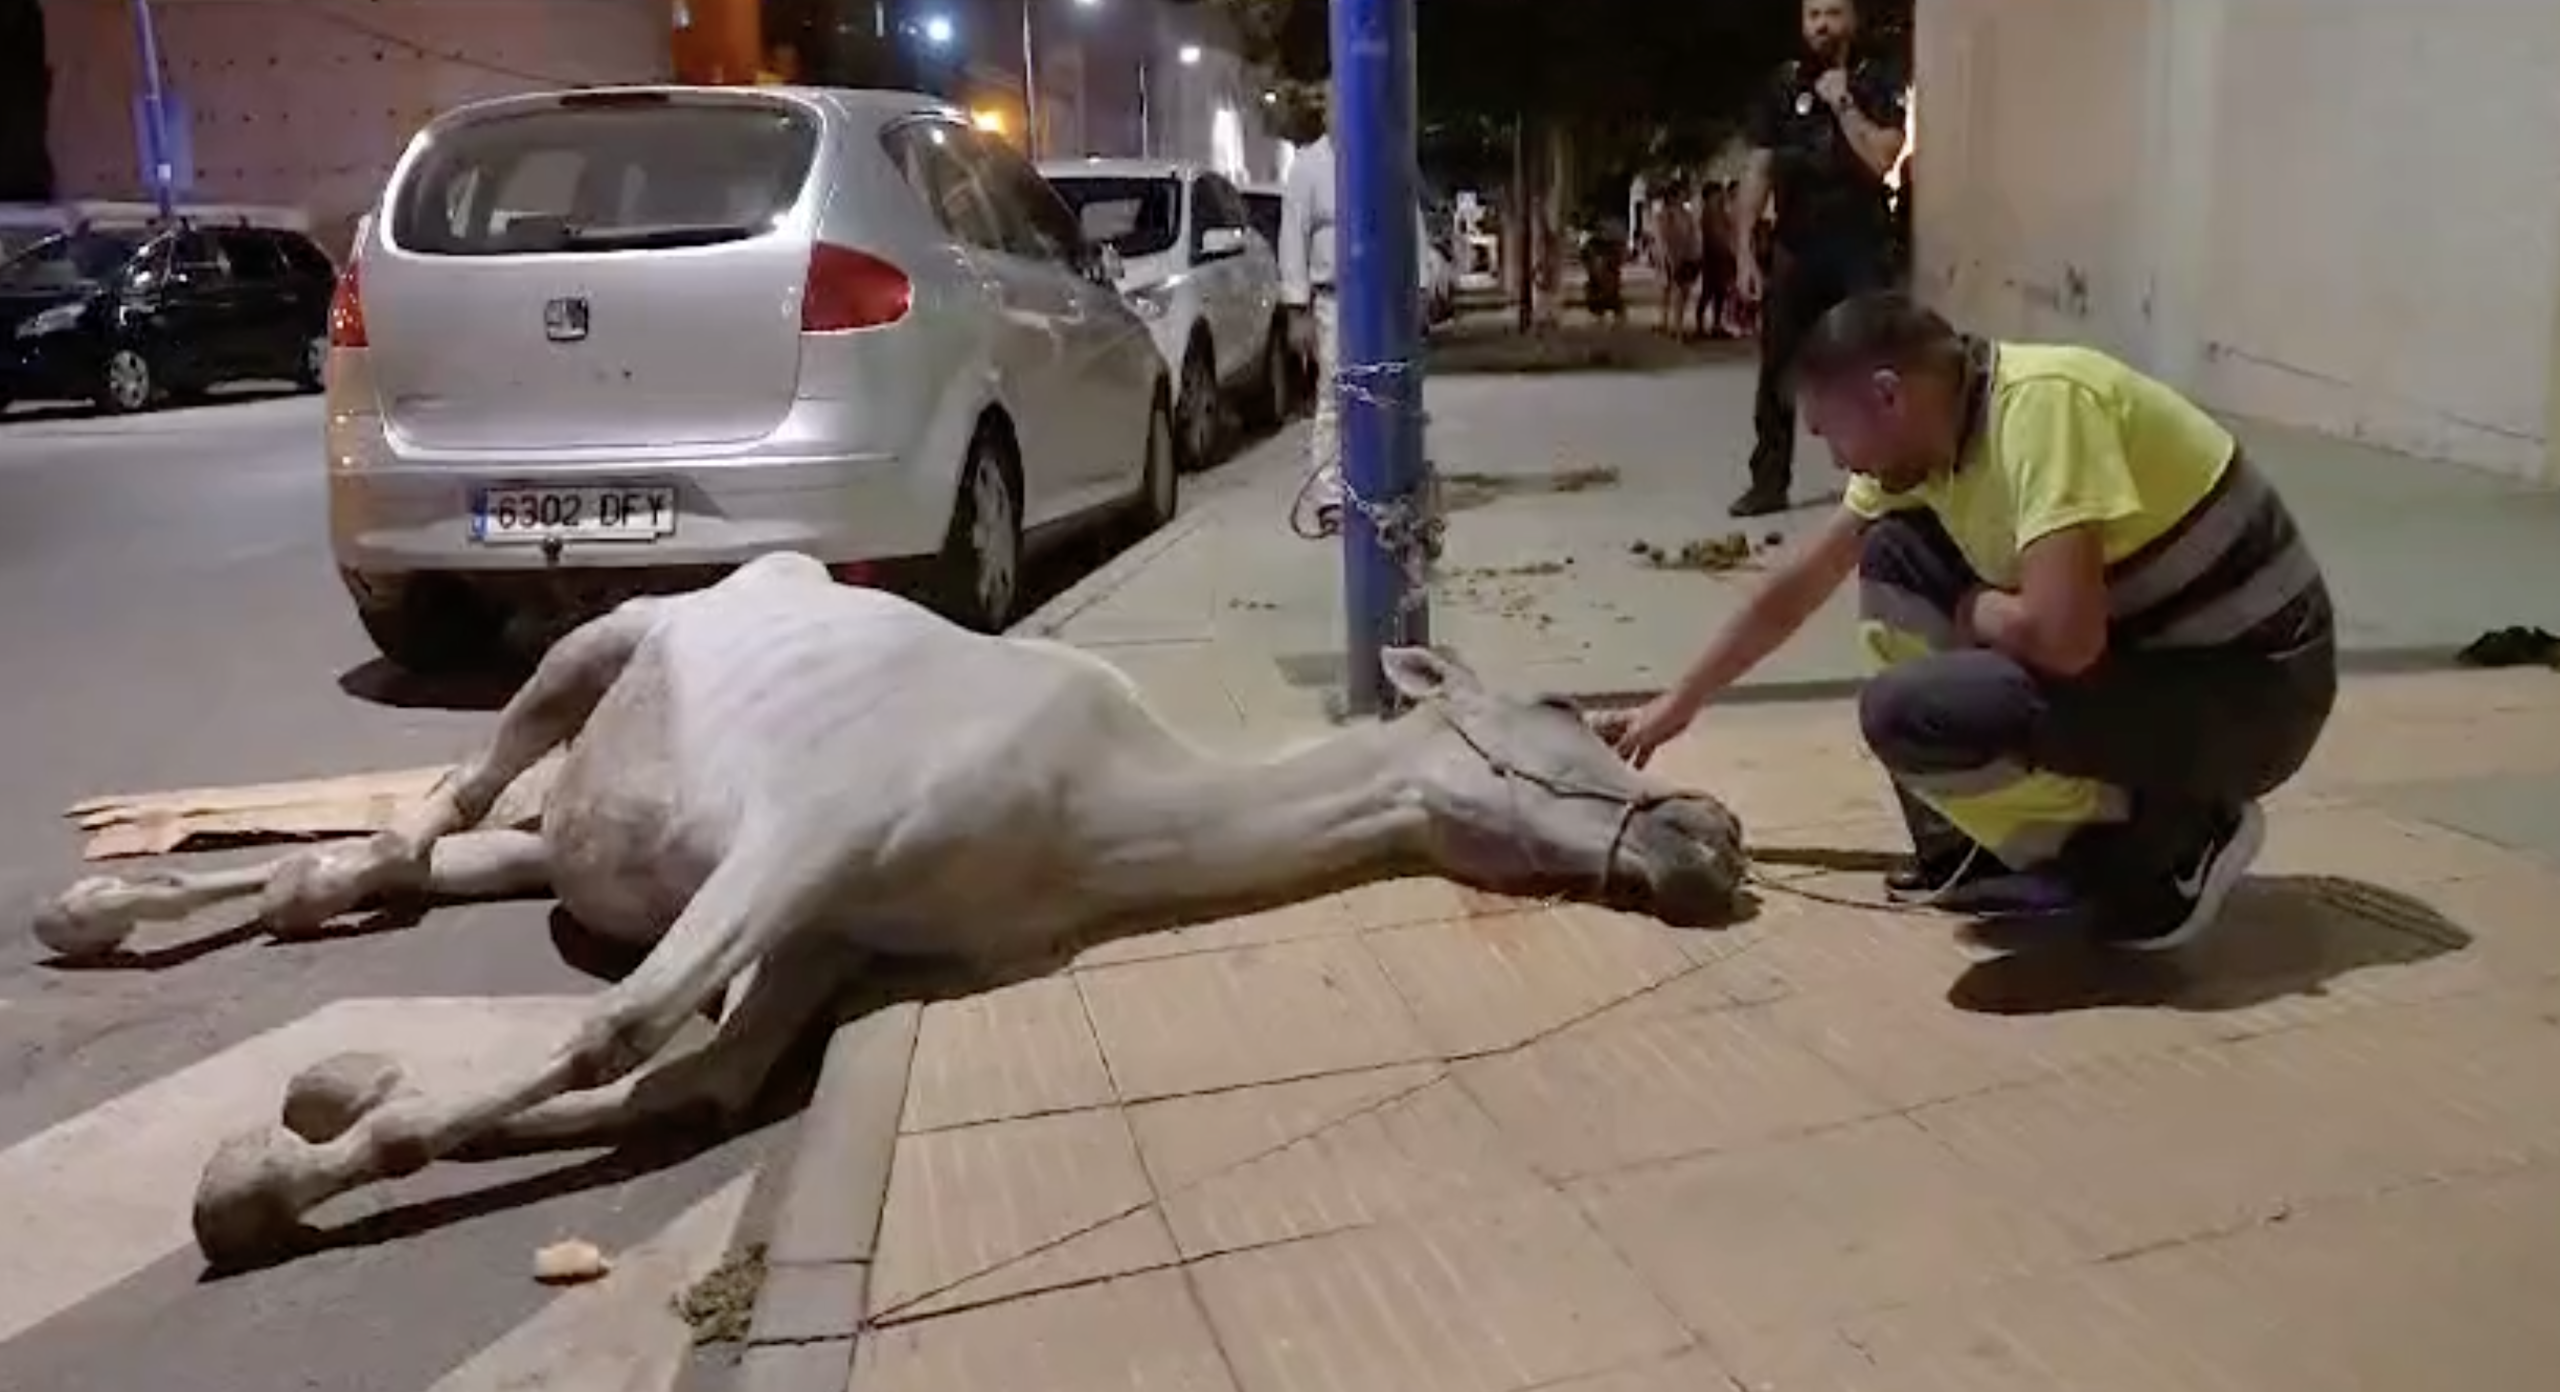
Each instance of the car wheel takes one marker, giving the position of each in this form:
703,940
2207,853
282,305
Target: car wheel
1197,407
979,575
1160,490
1271,387
126,383
315,364
429,628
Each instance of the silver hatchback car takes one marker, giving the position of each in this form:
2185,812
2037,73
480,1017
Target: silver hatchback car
617,341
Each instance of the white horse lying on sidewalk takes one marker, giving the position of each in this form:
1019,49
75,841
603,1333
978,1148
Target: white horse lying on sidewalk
768,780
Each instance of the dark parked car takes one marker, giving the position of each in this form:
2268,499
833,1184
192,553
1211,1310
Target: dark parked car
129,317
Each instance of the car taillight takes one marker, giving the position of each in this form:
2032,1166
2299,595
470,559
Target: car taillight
851,289
346,311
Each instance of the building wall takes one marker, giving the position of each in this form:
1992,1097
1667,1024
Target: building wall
1185,100
2334,213
308,102
2030,227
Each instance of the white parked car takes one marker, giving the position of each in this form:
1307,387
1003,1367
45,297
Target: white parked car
617,341
1208,288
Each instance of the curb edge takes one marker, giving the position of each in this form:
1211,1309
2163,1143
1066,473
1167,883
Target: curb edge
1104,580
825,1227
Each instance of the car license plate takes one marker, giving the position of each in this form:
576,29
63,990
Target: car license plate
606,512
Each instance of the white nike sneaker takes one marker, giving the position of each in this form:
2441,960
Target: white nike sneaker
2207,885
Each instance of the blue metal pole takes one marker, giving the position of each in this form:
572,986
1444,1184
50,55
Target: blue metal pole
155,110
1380,382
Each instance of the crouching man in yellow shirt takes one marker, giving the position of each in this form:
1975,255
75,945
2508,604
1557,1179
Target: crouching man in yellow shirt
2098,637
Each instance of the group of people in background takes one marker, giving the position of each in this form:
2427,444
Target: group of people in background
1692,240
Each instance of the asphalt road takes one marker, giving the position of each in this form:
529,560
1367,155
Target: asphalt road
171,620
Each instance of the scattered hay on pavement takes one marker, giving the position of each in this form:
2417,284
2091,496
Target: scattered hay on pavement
722,1305
1503,590
1463,491
1704,556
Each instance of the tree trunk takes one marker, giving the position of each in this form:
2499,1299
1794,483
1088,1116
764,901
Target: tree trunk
1517,227
1555,187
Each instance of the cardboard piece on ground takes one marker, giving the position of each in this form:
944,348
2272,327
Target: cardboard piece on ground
147,824
196,819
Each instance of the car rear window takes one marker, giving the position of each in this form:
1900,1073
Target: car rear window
625,174
69,261
1266,212
1137,217
304,255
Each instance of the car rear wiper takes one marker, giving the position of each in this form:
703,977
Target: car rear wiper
658,236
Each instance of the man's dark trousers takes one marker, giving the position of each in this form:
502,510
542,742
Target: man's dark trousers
1802,288
2181,738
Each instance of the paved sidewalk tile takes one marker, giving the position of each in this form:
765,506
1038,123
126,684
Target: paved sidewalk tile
1188,1140
1498,1299
1615,1093
2505,919
2177,1146
1809,946
1694,1371
1013,1052
1137,1332
2433,727
1251,1015
1418,1154
1904,1045
2442,1285
2518,811
1820,1227
2364,844
1481,984
969,1203
1387,905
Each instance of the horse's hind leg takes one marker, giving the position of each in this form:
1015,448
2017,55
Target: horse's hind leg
548,712
94,917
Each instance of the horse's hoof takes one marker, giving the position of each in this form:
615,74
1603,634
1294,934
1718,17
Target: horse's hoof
90,919
244,1210
327,1099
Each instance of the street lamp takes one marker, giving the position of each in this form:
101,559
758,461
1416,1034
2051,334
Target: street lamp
1190,55
160,166
938,31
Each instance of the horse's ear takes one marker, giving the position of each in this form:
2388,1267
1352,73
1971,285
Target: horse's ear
1420,674
1417,674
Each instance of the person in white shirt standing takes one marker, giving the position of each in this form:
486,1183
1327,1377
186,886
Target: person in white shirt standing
1307,287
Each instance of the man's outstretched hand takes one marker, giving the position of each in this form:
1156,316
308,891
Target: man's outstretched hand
1637,733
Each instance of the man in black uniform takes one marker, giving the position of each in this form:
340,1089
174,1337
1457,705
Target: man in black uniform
1822,138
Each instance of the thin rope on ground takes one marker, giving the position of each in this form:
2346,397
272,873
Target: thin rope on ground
1159,1198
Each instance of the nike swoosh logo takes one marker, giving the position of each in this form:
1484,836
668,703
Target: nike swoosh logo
2189,886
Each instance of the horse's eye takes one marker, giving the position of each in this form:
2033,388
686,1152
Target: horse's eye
1565,704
